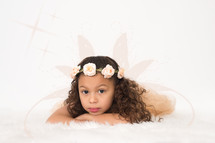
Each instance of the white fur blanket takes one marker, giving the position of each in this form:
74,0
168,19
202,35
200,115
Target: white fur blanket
173,128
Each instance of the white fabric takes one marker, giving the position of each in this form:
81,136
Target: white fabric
173,128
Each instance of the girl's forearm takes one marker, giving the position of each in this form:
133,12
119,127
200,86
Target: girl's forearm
59,119
61,115
103,118
63,119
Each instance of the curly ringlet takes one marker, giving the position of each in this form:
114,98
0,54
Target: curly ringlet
127,101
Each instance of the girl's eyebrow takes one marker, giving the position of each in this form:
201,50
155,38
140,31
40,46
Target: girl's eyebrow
82,86
102,85
97,86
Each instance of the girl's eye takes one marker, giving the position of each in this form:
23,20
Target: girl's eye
84,91
101,91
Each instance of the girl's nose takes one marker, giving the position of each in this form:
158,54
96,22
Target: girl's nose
93,99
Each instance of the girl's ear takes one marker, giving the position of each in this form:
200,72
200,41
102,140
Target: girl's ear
85,48
120,51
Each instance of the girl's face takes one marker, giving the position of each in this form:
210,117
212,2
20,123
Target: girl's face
96,93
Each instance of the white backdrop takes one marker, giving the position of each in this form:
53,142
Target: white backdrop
38,36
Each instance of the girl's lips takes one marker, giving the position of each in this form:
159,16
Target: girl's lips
94,109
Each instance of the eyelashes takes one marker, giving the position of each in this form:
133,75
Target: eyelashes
84,92
100,91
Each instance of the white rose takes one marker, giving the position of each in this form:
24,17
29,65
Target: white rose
120,73
75,71
108,71
89,69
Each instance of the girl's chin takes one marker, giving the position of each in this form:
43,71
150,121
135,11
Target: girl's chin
95,114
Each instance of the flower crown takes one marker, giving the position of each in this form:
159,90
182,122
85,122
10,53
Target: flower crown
90,70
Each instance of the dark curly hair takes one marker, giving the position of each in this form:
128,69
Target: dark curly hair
127,102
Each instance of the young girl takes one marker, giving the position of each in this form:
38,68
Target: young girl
100,92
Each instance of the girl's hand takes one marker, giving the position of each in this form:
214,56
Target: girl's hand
110,118
85,117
